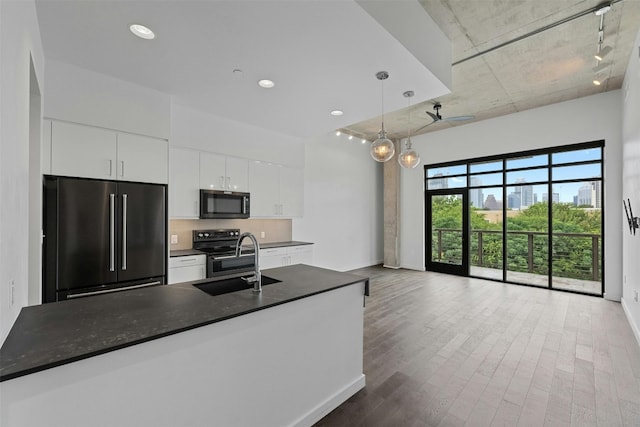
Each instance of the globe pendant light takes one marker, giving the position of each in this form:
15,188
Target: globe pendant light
409,158
382,149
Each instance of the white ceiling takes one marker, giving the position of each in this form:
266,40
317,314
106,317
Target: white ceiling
551,66
322,55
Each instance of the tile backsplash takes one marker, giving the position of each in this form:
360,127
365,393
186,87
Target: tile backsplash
276,230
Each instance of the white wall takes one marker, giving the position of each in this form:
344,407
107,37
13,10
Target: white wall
631,186
192,128
83,96
585,119
19,42
343,204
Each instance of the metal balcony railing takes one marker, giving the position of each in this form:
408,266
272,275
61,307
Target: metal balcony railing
574,255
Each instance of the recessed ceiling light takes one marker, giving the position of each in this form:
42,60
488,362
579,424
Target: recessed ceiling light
142,32
265,83
337,112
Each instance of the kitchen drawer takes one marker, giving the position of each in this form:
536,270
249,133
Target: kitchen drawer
185,261
187,268
286,255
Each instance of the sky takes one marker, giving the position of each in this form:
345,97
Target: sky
560,171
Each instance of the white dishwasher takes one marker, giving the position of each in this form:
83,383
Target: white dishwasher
187,268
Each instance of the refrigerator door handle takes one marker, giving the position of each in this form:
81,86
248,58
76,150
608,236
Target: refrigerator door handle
124,231
112,231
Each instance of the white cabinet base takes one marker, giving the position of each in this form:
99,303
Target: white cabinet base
187,268
286,255
288,365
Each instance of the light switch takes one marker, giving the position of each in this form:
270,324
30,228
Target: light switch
174,239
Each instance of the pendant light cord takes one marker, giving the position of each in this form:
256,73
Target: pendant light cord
408,122
382,93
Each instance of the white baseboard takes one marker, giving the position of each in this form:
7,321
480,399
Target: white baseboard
413,267
612,297
395,267
634,327
317,413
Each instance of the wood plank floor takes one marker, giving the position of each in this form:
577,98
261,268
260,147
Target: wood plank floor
443,350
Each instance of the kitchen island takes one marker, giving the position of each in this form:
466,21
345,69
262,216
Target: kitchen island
174,355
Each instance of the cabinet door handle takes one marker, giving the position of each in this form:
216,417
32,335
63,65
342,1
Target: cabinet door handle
112,231
109,167
124,232
122,168
221,181
229,182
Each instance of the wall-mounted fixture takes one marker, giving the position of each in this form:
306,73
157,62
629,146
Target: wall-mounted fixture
633,221
382,149
409,158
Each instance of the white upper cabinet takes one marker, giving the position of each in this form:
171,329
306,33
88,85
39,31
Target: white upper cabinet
212,171
142,159
218,172
90,152
184,189
83,151
276,191
291,192
264,187
45,148
237,177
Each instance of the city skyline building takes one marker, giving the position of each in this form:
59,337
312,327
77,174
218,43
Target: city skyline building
492,204
476,196
438,182
555,197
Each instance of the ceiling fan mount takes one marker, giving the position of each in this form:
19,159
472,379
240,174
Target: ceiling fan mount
438,118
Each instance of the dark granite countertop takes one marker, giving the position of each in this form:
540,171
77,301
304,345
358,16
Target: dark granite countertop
283,244
49,335
185,252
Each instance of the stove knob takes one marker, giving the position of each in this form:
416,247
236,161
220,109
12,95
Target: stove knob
206,234
200,235
237,233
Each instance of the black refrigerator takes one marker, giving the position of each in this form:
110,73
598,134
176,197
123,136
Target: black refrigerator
102,236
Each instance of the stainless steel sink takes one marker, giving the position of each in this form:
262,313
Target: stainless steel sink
225,286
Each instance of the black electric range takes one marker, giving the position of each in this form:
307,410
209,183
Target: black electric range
220,247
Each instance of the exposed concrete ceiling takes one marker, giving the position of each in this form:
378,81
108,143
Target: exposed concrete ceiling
552,66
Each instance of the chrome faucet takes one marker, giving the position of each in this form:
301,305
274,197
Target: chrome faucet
256,279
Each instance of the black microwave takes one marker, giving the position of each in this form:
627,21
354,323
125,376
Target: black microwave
223,204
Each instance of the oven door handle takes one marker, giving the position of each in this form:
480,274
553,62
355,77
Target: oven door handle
218,258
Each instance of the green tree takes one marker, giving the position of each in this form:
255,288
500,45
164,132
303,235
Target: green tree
571,255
